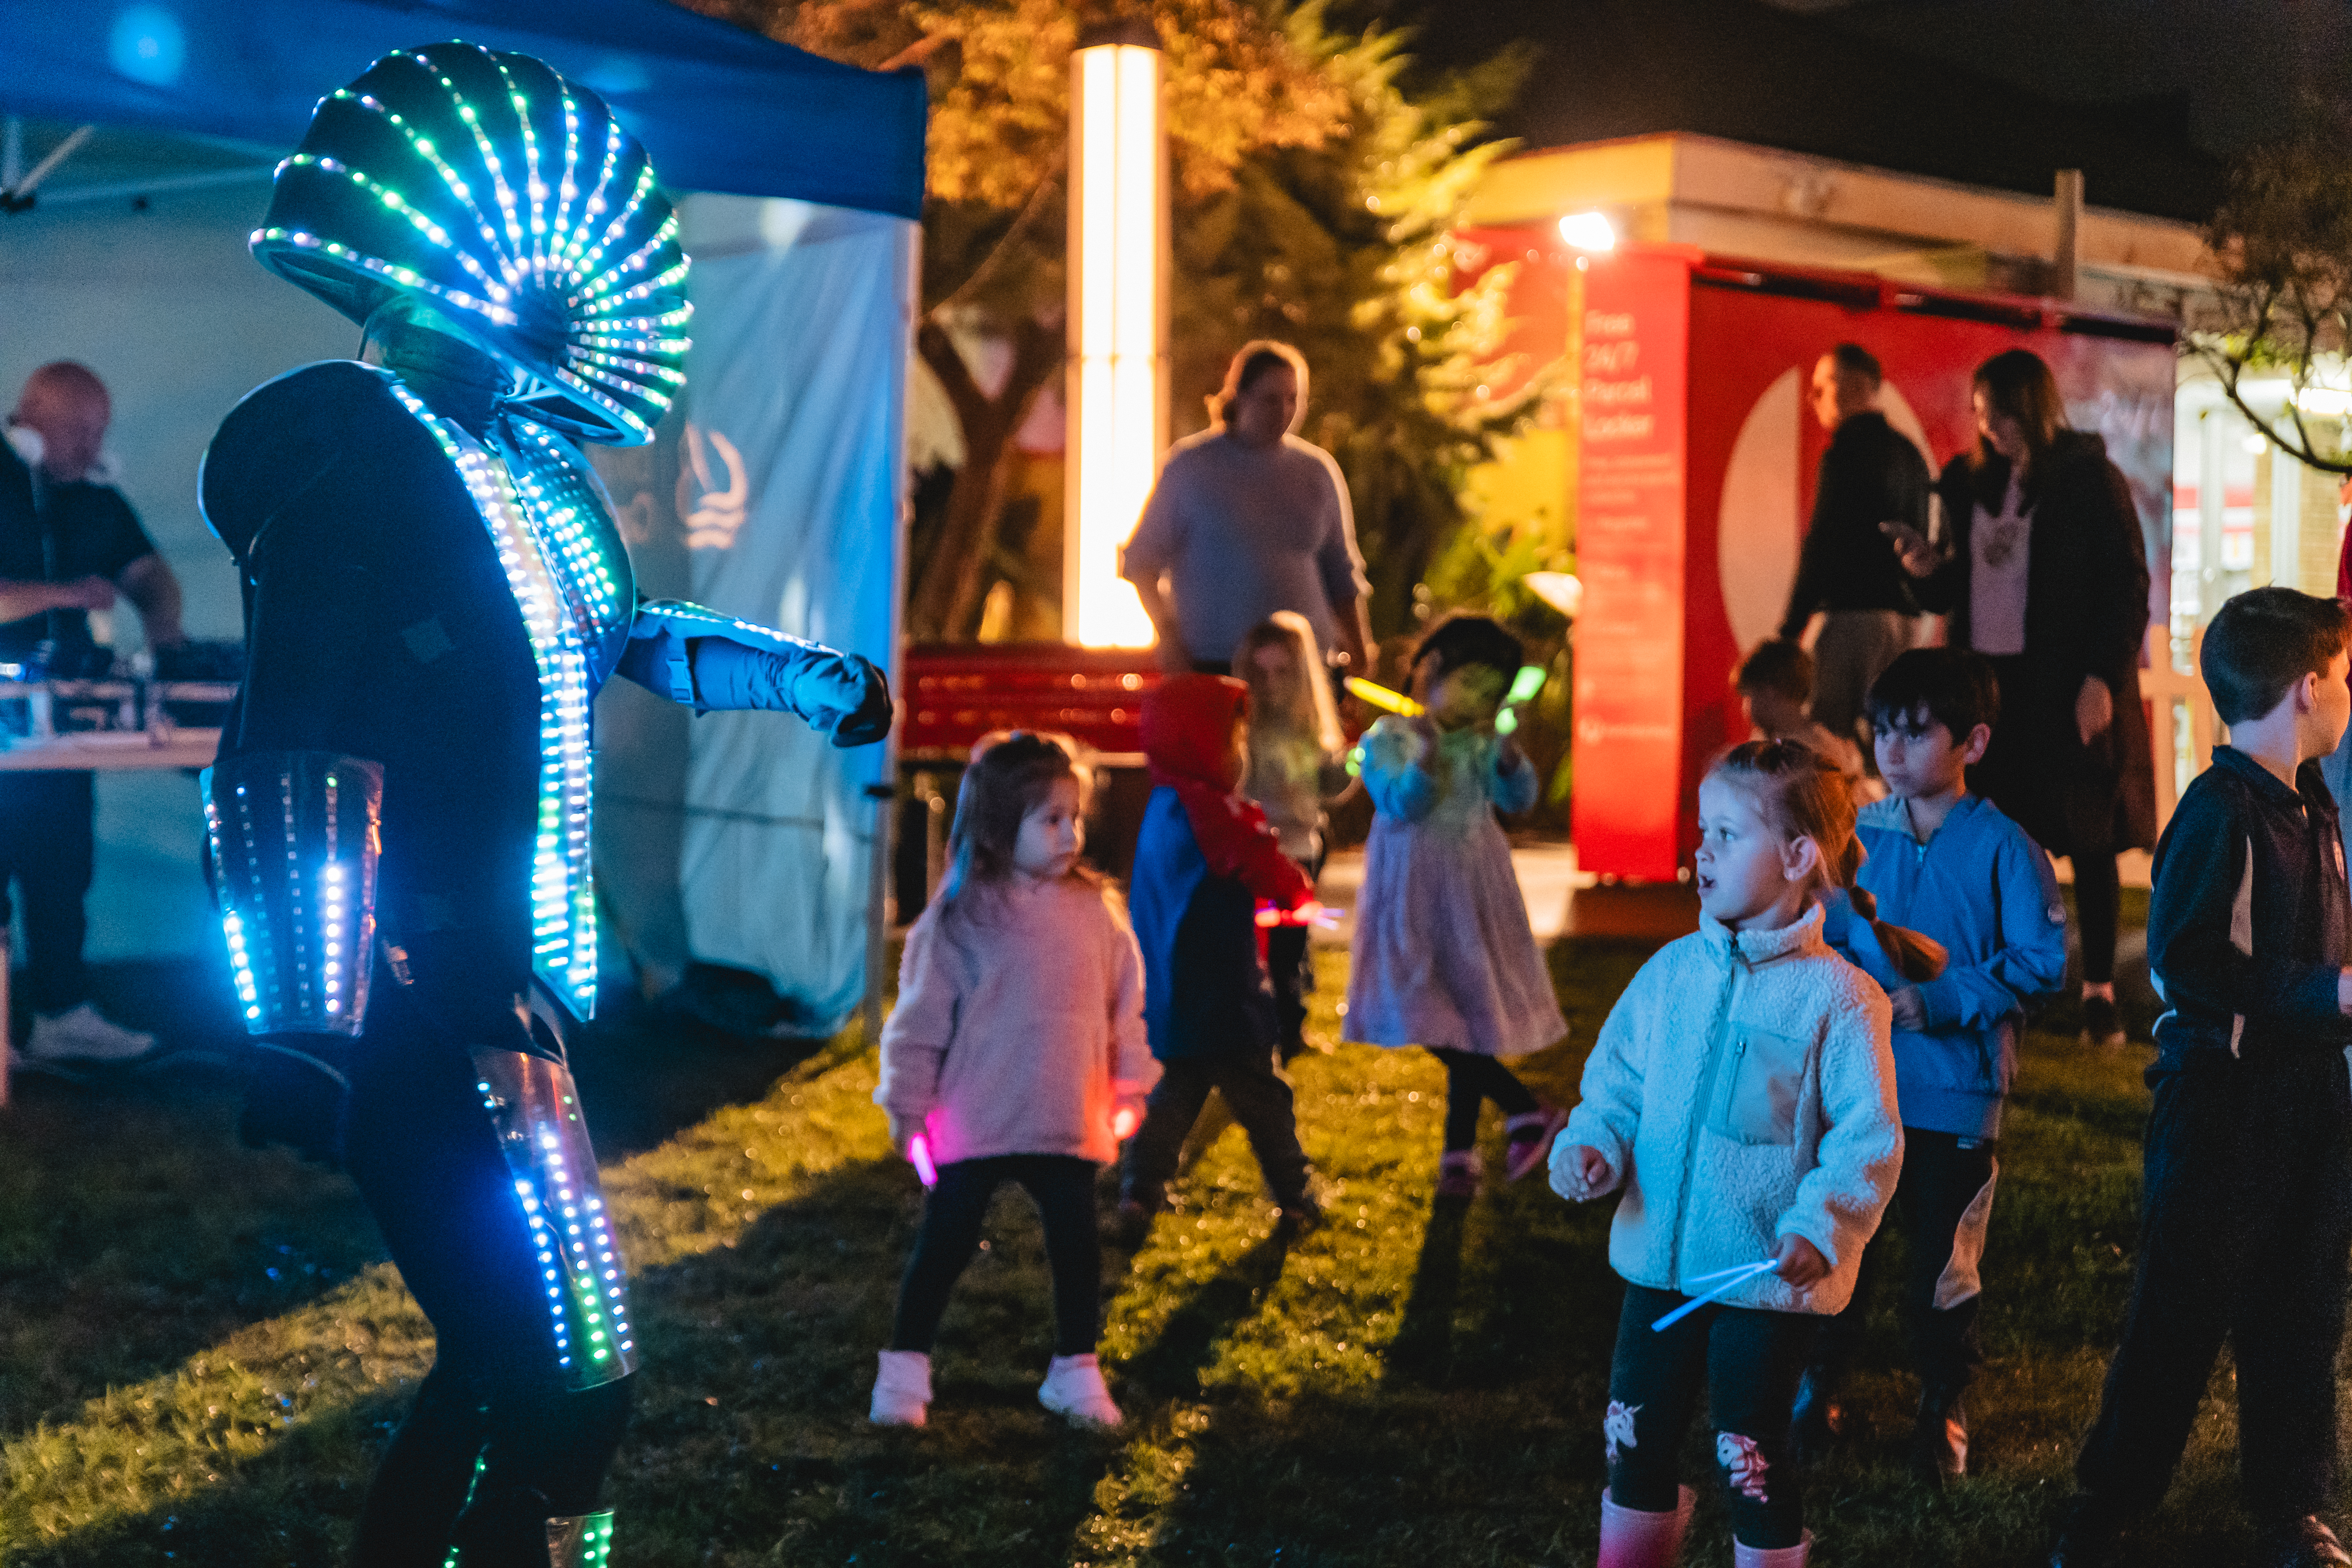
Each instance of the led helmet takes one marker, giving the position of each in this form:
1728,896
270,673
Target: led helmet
485,190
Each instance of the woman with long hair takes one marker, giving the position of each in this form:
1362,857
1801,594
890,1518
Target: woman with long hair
2042,569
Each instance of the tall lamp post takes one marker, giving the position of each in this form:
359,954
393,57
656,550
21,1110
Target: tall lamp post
1117,394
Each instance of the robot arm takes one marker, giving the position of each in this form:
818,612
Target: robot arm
707,661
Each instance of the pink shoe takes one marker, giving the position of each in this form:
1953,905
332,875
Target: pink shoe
1631,1539
1528,1139
1459,1173
1743,1556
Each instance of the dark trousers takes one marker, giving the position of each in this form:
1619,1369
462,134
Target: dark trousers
2098,910
1259,1099
47,843
1471,1078
1062,1188
420,1147
1943,1200
2246,1213
1293,975
1749,1364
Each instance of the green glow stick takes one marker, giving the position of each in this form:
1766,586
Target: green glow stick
1524,688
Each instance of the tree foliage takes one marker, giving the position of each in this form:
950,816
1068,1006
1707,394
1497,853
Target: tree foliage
2284,238
1311,197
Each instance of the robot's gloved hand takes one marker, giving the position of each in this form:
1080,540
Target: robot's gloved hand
839,694
707,661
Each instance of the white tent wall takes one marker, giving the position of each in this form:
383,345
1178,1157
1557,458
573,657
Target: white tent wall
169,309
783,477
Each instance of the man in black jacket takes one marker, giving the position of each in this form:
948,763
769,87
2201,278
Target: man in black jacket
1870,475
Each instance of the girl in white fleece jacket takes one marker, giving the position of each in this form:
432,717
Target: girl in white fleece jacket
1741,1097
1018,1039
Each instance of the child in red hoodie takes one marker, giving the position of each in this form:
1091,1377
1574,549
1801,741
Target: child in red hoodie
1204,861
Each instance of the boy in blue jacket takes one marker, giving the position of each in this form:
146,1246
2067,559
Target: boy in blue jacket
1204,862
2246,1204
1946,864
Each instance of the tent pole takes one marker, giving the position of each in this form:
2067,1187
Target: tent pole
20,191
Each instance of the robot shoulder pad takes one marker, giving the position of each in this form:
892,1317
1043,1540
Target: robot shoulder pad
283,436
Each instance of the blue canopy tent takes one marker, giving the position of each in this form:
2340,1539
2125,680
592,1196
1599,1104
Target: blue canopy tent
719,109
774,491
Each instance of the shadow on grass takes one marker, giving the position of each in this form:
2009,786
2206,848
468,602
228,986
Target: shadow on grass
135,1231
1422,1351
646,1074
1170,1366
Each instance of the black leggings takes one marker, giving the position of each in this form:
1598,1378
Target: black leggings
421,1149
1062,1188
1748,1363
1470,1078
2099,908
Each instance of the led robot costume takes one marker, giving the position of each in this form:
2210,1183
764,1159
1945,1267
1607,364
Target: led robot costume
435,591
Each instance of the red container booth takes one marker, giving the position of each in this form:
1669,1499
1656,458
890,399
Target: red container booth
1694,470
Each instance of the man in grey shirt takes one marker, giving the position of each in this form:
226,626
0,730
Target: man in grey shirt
1246,519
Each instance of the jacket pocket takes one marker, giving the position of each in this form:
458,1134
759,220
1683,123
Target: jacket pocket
1756,1099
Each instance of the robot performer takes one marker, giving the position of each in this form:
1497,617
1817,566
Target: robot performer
434,592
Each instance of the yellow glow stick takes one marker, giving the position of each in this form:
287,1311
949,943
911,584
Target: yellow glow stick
1382,697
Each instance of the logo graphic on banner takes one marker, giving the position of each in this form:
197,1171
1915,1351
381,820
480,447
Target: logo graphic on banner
714,519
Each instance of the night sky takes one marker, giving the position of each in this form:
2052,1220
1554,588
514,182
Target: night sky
2147,97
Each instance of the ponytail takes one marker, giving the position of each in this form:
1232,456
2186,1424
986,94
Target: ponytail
1802,795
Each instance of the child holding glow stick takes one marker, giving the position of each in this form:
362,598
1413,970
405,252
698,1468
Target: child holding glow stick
1016,1045
1204,861
1444,956
1742,1096
1297,762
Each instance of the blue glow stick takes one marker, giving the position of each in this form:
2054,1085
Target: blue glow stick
1724,1273
1739,1276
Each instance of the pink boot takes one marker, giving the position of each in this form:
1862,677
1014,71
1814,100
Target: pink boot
1778,1557
1631,1539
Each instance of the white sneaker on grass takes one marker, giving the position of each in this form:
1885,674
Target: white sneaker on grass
83,1033
902,1389
1074,1390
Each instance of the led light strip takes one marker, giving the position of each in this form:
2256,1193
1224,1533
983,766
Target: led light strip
563,892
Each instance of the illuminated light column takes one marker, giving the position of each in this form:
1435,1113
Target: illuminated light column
1117,389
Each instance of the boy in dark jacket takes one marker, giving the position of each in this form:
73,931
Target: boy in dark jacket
1946,864
1204,861
2246,1207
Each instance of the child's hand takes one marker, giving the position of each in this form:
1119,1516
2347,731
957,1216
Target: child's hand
902,1131
1910,1010
1800,1262
1580,1173
1126,1116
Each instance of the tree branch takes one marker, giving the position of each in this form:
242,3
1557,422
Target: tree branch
1029,212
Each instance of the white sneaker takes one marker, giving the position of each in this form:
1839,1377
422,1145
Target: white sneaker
902,1389
84,1033
1074,1389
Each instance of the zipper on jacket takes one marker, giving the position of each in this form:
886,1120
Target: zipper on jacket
1732,971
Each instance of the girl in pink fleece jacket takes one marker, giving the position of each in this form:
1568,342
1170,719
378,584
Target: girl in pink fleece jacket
1017,1041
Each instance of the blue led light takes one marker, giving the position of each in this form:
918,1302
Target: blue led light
148,44
568,589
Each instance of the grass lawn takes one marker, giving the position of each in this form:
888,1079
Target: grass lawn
200,1351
